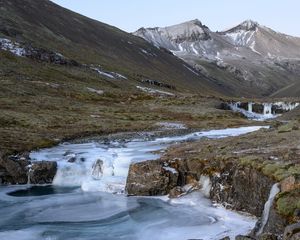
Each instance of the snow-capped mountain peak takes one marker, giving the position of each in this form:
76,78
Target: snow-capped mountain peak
249,25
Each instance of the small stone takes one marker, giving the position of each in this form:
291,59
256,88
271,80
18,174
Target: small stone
297,213
72,160
176,192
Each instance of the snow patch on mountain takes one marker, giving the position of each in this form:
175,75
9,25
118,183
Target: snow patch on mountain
154,91
13,47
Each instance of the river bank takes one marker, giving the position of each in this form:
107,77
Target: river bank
103,167
241,170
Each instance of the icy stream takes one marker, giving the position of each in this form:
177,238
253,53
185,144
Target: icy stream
80,203
269,110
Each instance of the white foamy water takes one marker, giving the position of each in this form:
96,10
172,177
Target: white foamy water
88,210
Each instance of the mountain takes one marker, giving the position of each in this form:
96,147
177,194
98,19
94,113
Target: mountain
249,57
49,27
64,75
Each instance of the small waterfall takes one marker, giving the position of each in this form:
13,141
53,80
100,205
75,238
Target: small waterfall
267,108
29,172
265,216
287,106
250,107
205,185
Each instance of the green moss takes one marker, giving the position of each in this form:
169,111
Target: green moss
248,160
287,203
288,127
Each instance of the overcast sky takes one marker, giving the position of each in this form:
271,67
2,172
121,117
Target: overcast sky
129,15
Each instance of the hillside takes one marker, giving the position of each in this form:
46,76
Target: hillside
64,75
43,24
250,57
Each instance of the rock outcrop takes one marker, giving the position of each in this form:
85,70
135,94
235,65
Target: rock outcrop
237,187
42,172
150,178
292,232
20,170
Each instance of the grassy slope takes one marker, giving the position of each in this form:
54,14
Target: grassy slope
42,103
90,42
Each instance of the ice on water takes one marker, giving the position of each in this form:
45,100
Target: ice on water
104,167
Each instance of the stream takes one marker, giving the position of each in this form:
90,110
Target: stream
87,199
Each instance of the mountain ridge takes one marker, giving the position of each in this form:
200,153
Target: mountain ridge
248,52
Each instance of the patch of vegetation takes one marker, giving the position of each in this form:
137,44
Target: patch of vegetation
288,202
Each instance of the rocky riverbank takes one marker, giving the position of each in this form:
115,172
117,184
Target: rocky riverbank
240,171
19,169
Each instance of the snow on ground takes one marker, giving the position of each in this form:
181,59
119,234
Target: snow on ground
112,75
191,69
13,47
154,91
105,74
170,125
100,92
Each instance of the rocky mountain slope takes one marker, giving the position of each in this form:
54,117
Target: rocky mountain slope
249,57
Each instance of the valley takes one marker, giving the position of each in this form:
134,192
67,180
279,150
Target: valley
174,132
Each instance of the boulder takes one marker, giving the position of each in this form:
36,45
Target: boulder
42,172
13,171
290,183
150,178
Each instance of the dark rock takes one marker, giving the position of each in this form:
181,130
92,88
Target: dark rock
72,159
229,186
13,171
258,108
44,55
225,238
297,213
267,236
176,192
224,106
241,237
157,83
42,172
292,232
149,178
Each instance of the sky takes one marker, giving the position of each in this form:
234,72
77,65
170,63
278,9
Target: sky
130,15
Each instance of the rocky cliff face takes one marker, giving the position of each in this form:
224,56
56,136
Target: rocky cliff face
242,172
